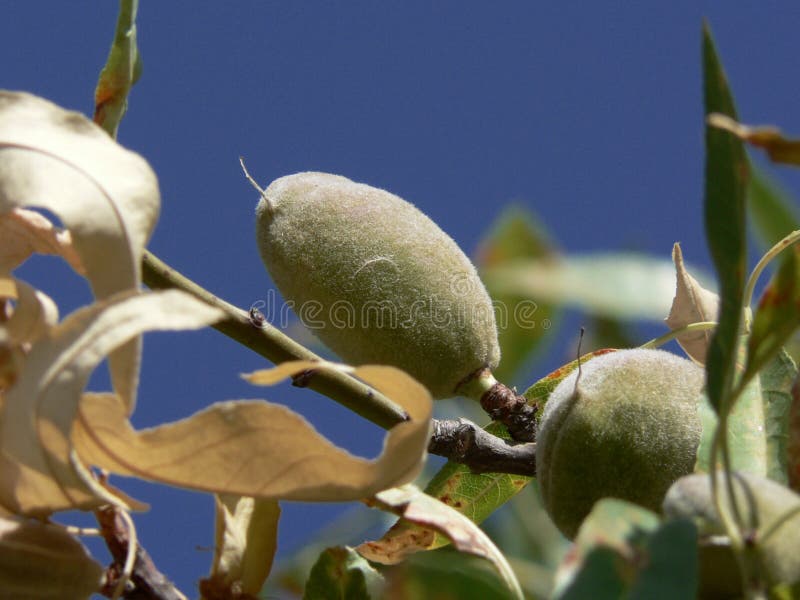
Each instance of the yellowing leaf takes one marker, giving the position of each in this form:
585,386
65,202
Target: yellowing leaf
106,196
25,232
39,469
412,504
780,149
43,562
692,304
244,546
254,448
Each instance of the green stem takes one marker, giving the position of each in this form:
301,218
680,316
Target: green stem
671,335
272,344
773,527
732,520
765,260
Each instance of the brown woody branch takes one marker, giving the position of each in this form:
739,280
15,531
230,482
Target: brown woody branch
512,410
146,581
464,442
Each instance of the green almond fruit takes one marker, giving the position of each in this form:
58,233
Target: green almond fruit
771,512
376,280
627,429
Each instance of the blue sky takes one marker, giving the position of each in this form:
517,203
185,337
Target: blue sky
588,114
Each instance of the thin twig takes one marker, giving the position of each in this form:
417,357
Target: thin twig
272,344
130,558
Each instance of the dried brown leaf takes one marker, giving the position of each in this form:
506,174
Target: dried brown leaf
30,317
779,148
244,544
254,448
692,304
34,312
106,196
414,505
40,472
25,232
44,562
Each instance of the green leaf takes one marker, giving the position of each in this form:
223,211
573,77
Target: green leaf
670,570
622,551
777,380
620,285
726,176
615,529
340,573
122,69
757,424
447,575
771,208
615,523
599,577
522,323
777,316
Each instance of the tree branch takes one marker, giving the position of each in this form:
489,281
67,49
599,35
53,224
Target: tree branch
458,440
464,442
512,410
264,339
148,583
502,404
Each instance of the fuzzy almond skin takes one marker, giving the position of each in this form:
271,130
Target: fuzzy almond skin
629,432
762,502
375,279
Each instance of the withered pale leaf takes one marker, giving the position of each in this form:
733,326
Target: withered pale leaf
692,304
11,359
779,148
34,312
414,505
25,232
244,545
43,562
40,472
254,448
106,196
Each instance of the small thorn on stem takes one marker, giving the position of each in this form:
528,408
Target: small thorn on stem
257,318
303,378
